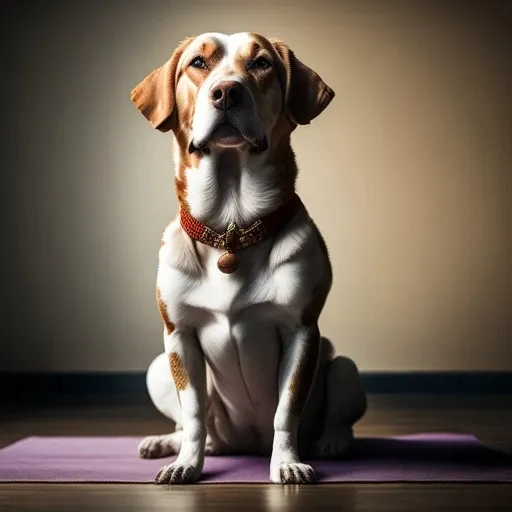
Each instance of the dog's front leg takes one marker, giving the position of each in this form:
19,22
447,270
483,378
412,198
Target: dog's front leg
187,366
296,375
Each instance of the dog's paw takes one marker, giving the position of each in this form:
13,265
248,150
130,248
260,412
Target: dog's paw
177,474
216,447
293,473
155,447
334,445
210,448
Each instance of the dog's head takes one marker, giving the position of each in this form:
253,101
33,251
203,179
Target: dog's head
238,90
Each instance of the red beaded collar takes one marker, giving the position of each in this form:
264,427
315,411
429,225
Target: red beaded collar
236,238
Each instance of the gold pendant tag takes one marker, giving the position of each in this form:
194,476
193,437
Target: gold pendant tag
228,263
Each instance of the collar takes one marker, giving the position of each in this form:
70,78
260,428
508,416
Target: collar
236,238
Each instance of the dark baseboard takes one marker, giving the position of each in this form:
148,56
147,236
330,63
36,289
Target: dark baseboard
439,383
129,388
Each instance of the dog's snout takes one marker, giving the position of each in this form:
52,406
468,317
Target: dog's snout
225,95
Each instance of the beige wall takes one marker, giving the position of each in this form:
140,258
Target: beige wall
408,174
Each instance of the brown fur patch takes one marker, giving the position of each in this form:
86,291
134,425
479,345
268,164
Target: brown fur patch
312,311
261,83
244,57
178,371
306,94
211,53
283,159
173,108
269,88
162,307
155,95
187,88
162,243
302,379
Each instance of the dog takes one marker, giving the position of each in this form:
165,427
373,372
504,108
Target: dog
243,271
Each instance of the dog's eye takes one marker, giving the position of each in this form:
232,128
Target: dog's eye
198,62
260,63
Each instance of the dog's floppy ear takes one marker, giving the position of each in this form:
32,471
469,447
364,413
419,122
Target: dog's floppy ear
306,94
155,95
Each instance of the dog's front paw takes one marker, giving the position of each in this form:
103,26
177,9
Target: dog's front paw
292,473
178,474
155,447
334,445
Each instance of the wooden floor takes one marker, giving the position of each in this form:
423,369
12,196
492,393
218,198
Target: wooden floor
489,418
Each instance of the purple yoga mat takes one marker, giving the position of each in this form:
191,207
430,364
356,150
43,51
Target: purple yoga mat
412,458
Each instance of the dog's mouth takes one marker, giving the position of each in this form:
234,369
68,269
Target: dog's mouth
228,136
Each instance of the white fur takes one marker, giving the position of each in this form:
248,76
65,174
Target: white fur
249,195
245,326
240,322
206,115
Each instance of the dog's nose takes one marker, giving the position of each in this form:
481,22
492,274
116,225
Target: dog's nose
227,94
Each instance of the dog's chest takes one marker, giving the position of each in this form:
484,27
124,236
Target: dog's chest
241,320
239,309
239,326
196,292
229,294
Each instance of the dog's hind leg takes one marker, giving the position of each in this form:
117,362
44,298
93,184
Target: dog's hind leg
345,403
162,390
163,394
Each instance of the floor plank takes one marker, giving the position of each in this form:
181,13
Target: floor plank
489,418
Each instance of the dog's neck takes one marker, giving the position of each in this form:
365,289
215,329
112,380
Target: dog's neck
229,185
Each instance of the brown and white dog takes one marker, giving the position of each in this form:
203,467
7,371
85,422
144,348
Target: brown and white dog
243,271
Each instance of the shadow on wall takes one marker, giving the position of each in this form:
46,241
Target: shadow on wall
407,173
